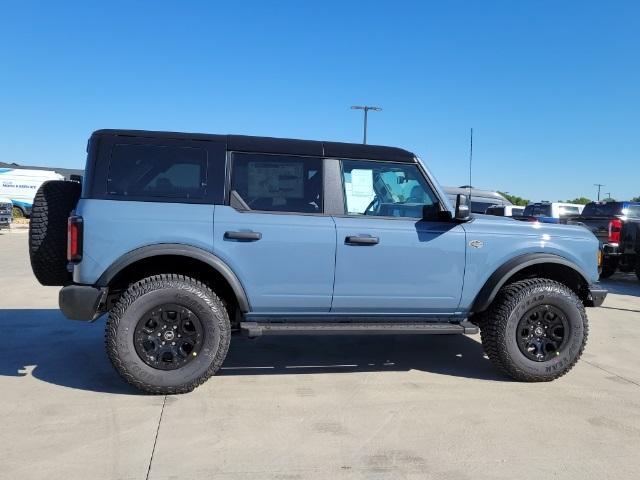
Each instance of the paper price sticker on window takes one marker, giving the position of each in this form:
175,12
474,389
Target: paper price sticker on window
272,179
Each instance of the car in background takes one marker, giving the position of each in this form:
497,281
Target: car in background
20,186
480,199
551,212
615,224
505,211
6,212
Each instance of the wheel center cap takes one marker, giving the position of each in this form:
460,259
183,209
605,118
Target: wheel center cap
169,335
538,331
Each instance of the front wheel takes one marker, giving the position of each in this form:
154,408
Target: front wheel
167,334
535,330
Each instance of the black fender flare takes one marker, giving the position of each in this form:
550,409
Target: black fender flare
177,249
498,278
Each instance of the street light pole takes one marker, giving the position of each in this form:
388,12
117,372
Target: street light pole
599,185
366,109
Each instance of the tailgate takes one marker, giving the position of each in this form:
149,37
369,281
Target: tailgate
598,225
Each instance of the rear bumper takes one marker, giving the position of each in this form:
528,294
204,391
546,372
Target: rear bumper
82,302
610,249
596,296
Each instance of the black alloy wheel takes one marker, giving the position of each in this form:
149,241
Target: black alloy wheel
168,337
542,333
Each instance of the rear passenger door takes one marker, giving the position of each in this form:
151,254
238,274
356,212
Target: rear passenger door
274,234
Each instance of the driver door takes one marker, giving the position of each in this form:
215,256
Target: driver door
389,260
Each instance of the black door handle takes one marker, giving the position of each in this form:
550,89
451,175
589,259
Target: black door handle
243,236
356,240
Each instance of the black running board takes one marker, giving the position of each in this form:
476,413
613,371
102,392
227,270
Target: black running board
255,329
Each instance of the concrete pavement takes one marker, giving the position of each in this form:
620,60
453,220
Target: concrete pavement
311,407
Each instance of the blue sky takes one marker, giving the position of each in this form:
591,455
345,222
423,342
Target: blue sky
551,88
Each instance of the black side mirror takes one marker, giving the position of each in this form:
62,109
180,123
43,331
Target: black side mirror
463,212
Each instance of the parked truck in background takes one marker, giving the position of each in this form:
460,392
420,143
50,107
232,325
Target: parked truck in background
551,212
615,224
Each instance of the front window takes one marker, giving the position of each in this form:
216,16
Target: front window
385,189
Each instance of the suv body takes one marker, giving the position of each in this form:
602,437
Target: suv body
614,225
480,200
551,212
293,236
505,210
6,212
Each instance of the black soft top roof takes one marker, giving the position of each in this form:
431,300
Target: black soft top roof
244,143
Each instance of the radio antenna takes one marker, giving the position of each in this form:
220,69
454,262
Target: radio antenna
470,162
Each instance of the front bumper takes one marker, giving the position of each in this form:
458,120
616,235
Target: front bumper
596,296
82,302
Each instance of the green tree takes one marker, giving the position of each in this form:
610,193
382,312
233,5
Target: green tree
636,199
608,199
580,200
522,202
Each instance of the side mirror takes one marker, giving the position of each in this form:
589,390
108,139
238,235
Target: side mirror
463,212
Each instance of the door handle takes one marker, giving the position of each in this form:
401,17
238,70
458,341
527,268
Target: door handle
356,240
243,236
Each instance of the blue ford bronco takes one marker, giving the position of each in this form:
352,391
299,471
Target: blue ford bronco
182,239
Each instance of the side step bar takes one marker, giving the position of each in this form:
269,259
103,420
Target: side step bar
256,329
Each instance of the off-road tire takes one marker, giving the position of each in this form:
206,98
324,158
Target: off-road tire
499,326
52,205
157,290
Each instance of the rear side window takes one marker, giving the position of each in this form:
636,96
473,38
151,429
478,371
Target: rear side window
278,183
609,209
480,205
498,211
538,210
158,171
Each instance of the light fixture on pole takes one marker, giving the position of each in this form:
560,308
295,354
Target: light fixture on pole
366,109
599,185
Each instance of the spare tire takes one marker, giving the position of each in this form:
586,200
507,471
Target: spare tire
52,205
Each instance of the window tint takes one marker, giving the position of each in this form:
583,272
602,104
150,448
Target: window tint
155,171
565,211
279,183
608,209
385,189
538,210
479,205
498,211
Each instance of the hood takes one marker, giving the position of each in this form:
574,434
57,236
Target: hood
509,226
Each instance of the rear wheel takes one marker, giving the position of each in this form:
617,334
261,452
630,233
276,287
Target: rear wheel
535,330
168,334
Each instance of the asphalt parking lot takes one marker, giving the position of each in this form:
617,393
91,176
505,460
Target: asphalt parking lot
311,407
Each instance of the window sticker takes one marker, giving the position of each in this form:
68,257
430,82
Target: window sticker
274,179
359,191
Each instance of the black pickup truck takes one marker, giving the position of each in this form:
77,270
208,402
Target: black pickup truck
617,226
